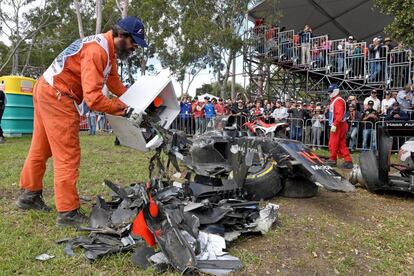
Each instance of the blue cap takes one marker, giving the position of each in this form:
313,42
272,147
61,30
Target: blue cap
332,87
135,28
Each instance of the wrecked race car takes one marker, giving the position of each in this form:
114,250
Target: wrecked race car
376,172
201,210
223,157
142,217
263,167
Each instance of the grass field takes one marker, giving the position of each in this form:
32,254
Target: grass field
332,233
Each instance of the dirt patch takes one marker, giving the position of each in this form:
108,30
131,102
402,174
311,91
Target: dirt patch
327,234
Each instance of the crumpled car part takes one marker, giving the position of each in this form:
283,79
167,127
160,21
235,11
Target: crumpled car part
176,227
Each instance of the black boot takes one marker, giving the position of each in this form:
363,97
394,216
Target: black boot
330,162
32,201
347,166
71,218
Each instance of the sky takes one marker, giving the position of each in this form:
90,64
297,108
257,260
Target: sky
204,77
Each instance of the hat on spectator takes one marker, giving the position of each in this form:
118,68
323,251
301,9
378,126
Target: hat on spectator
370,102
318,108
387,39
299,102
318,103
351,98
387,93
350,37
312,102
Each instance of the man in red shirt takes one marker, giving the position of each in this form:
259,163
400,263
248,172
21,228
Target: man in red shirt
220,108
339,129
197,108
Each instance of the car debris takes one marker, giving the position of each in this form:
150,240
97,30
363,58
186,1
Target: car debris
44,257
375,168
197,212
197,230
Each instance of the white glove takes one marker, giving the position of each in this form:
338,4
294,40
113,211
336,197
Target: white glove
134,115
155,142
333,128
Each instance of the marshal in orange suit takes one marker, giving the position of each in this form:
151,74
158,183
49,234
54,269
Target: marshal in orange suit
75,79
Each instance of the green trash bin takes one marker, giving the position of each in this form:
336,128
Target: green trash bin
18,114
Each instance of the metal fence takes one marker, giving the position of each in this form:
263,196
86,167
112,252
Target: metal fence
319,50
361,134
399,68
354,61
101,123
286,46
336,57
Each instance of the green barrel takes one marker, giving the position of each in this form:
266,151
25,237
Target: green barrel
18,115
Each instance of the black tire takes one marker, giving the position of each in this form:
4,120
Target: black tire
298,187
281,134
260,133
370,171
263,184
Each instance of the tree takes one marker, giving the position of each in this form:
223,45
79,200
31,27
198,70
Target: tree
226,39
216,89
14,26
401,28
79,18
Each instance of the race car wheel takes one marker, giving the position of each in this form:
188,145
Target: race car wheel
298,187
369,170
281,134
263,184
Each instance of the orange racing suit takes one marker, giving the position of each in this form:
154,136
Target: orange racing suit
77,74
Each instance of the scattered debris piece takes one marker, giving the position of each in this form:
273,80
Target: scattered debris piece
44,257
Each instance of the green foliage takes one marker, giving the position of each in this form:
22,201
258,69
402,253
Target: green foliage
214,89
401,28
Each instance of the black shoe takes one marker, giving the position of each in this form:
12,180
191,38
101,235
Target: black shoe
71,218
32,201
330,162
347,166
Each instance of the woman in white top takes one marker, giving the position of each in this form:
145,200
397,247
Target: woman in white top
386,103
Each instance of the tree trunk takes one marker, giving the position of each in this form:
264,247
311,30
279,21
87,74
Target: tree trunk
125,8
143,63
130,77
226,75
79,17
98,16
233,79
15,61
28,57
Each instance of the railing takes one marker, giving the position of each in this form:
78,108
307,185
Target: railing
361,134
353,61
101,123
399,67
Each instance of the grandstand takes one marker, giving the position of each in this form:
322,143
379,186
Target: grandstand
280,64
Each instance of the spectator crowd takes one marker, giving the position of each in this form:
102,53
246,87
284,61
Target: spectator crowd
307,119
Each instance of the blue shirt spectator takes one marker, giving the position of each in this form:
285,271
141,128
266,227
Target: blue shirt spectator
185,109
209,110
